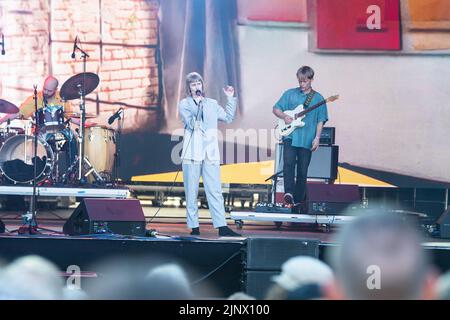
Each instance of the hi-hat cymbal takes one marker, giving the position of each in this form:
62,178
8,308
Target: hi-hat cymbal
83,83
8,107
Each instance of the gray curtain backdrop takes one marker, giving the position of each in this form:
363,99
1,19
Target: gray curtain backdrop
197,35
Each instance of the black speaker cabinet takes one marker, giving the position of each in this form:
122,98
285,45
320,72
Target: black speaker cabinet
271,253
323,165
331,199
265,256
444,224
257,283
327,135
107,216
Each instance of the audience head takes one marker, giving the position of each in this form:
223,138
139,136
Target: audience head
34,278
380,257
297,272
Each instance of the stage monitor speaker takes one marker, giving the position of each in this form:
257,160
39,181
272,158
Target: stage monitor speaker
271,253
107,216
323,165
444,224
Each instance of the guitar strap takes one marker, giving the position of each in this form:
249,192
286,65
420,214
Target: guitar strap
308,99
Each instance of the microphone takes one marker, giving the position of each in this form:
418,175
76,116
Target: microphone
3,45
198,93
74,47
115,116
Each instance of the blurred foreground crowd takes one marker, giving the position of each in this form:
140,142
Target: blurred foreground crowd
379,256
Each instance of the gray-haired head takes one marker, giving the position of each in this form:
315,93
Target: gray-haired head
190,78
380,257
33,277
169,281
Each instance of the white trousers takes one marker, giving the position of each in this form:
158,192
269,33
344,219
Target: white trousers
210,172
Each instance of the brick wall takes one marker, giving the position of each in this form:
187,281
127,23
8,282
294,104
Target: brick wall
25,26
119,36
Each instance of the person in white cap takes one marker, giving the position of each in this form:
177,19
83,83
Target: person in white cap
297,272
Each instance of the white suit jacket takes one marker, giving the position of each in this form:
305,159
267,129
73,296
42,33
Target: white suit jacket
200,123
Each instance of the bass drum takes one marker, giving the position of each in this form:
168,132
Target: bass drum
99,148
16,159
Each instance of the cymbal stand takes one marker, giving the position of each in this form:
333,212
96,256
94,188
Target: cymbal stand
82,160
81,92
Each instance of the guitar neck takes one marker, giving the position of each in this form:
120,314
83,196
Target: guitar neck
301,114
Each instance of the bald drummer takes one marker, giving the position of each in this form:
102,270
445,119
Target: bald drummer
49,93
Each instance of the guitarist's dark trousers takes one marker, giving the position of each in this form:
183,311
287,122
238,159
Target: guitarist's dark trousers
300,157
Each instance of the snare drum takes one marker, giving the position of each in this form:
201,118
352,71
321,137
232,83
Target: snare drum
50,119
99,148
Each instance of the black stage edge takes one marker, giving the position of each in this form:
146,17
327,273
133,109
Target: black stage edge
222,262
200,256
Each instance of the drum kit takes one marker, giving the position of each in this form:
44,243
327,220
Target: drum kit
63,155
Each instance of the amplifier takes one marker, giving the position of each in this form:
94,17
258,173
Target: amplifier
328,208
331,198
327,136
323,165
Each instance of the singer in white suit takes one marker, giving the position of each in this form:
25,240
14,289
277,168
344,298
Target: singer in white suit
200,155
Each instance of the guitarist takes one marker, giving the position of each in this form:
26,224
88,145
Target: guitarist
299,145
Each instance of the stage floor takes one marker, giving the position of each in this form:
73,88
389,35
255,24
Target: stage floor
170,221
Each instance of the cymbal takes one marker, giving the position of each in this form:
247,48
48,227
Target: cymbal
8,107
86,81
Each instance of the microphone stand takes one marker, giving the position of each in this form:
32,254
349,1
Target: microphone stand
82,93
30,225
29,218
117,153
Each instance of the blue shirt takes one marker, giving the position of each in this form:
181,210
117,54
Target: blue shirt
303,137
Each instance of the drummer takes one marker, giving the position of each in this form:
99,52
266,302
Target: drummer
48,96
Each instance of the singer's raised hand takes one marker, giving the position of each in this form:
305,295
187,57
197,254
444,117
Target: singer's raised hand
229,91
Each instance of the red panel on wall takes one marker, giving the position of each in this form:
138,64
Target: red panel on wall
272,10
358,24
